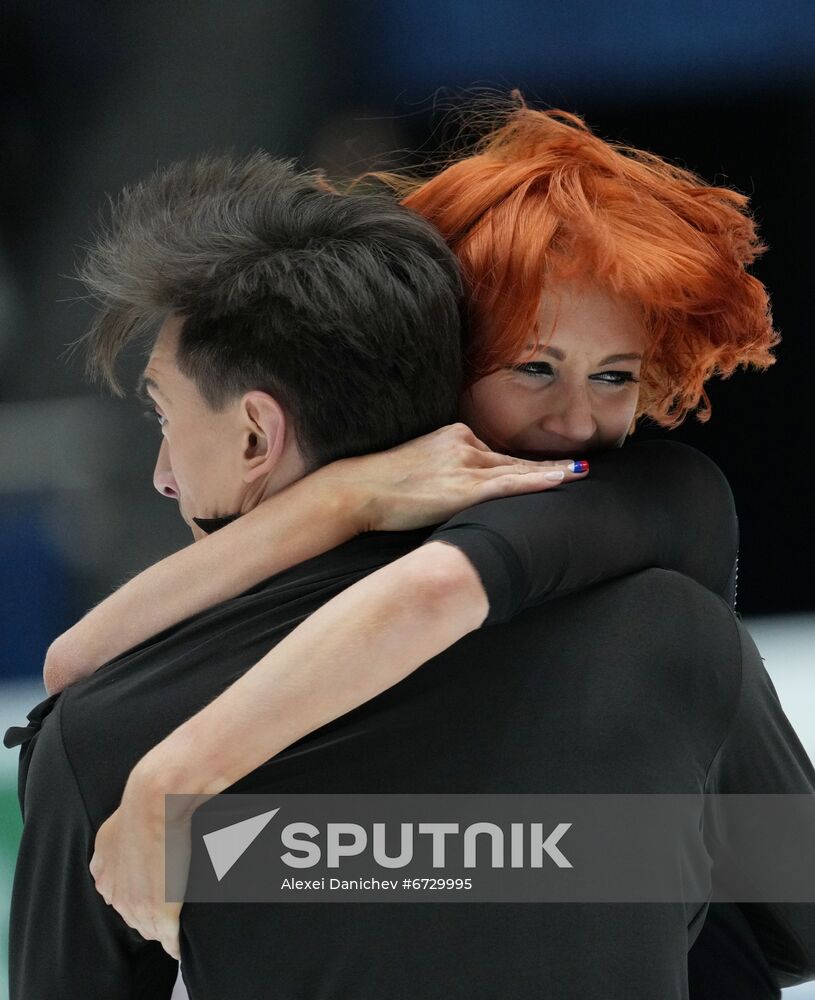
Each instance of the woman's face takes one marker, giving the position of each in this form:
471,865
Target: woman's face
578,393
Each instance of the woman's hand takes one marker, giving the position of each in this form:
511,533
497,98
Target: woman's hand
128,867
129,859
427,480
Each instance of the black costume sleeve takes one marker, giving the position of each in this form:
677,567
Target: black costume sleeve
652,503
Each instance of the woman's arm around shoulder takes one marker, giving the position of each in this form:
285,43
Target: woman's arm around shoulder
416,484
651,503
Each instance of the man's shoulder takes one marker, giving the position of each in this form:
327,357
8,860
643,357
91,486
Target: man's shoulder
667,587
648,609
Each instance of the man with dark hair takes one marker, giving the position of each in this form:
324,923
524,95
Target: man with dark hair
287,287
292,326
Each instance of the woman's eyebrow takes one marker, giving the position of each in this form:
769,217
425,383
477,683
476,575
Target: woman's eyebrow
558,355
551,351
612,359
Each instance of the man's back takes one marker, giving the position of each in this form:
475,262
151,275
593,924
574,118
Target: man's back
629,687
564,699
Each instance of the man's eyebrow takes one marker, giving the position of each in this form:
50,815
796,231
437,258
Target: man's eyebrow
146,382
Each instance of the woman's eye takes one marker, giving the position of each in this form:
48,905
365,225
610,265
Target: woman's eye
542,369
616,378
536,369
154,415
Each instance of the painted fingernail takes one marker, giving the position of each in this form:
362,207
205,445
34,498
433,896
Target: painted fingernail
581,466
554,477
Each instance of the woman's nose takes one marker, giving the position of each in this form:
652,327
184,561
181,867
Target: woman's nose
571,415
163,478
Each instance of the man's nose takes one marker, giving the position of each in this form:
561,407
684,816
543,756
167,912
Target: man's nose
163,478
571,415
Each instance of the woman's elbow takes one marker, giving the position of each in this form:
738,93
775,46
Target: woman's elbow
59,669
449,584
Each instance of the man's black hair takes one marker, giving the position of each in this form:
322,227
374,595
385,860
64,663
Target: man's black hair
344,307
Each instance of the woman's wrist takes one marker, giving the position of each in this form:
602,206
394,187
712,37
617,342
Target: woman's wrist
340,493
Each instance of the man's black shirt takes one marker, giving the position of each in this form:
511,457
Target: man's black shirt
561,698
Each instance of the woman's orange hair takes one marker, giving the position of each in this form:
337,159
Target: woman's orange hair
543,198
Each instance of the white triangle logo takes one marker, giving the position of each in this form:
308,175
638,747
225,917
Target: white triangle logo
226,845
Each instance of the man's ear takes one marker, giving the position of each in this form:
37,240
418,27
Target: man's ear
264,434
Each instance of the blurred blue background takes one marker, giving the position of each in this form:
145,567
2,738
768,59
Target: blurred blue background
95,94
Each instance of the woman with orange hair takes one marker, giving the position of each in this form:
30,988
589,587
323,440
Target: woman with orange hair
604,285
545,201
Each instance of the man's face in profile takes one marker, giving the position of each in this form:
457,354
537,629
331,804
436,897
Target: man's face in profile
200,459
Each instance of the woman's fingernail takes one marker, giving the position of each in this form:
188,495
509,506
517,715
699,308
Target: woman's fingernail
554,477
581,466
